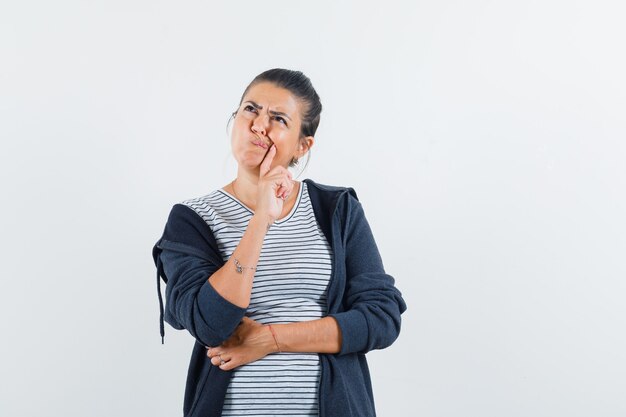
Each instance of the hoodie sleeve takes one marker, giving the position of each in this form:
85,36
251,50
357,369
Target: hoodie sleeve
373,304
186,256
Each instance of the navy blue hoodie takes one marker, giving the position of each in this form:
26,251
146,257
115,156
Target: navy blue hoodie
361,297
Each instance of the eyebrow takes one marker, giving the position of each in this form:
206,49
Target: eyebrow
257,106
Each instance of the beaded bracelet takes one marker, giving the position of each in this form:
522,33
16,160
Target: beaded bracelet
240,267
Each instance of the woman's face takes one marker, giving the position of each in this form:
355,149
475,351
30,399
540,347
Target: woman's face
267,115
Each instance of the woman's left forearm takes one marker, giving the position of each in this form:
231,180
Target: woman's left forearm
319,336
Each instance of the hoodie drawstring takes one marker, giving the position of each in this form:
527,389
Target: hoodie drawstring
160,299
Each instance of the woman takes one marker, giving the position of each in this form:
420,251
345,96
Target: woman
279,281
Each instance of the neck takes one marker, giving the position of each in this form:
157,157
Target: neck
246,186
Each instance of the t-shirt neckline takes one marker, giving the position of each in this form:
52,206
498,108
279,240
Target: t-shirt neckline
287,216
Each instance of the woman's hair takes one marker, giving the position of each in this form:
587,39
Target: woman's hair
300,86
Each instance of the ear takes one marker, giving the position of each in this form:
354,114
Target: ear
304,146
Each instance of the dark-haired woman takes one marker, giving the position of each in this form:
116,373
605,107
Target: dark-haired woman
279,281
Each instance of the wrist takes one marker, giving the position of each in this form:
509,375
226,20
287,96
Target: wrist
274,344
263,221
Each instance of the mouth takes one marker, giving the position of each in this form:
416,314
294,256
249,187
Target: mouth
260,143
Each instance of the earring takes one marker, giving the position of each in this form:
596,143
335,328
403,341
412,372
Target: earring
294,161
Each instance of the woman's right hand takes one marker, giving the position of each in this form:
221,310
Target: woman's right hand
274,185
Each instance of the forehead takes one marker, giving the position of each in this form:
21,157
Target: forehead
274,98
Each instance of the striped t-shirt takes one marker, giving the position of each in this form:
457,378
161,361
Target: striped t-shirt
290,285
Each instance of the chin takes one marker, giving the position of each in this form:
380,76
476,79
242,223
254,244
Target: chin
249,163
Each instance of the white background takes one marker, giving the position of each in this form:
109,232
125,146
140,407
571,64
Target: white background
486,141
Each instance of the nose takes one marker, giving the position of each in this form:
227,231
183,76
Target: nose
258,126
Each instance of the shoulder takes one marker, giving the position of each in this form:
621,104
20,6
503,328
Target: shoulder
341,202
190,216
329,191
203,201
186,231
203,206
181,220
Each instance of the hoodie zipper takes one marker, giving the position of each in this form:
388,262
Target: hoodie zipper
319,397
331,280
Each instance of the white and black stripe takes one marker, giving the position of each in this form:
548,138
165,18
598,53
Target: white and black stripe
290,285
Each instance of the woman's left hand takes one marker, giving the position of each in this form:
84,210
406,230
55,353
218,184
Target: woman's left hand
249,342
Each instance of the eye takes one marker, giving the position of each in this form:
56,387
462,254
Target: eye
283,120
248,106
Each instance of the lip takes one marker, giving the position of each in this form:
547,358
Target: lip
260,143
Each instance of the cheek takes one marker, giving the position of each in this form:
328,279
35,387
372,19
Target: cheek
238,125
239,133
283,153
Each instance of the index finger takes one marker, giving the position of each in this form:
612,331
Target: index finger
265,165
